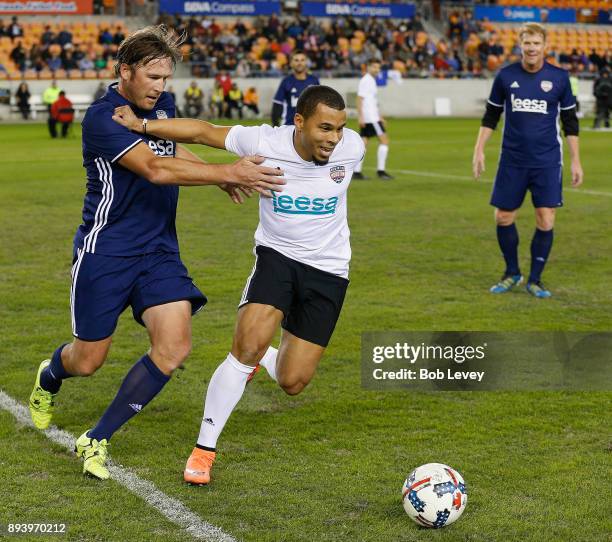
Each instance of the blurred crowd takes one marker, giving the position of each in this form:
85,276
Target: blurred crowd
58,50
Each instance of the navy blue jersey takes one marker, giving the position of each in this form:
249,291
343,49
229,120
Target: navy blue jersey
124,214
531,103
288,93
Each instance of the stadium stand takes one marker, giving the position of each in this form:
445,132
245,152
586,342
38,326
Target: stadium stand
60,50
339,47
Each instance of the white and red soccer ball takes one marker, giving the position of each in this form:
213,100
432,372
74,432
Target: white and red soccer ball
434,495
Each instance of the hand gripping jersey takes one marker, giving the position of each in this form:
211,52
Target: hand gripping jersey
532,102
124,214
307,221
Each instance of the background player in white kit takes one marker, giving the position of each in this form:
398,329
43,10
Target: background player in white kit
371,123
302,251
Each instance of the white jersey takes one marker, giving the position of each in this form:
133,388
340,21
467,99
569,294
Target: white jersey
367,91
307,221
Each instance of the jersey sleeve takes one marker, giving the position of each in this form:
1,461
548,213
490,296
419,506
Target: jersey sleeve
102,136
279,97
362,90
567,100
243,140
498,94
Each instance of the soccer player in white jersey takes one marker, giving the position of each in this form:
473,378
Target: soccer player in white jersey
371,123
302,251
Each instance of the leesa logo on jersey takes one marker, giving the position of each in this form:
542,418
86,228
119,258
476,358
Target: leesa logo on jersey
337,174
527,105
303,205
161,114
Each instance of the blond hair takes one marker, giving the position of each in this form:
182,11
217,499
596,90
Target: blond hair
150,43
532,28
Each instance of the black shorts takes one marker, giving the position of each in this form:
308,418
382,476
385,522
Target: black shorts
309,298
373,129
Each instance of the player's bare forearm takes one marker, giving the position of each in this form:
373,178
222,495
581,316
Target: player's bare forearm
247,171
478,160
185,154
484,134
574,148
179,130
236,193
576,166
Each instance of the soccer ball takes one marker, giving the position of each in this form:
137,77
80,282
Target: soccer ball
434,495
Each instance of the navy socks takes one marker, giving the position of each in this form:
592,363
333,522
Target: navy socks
143,382
508,239
540,249
51,377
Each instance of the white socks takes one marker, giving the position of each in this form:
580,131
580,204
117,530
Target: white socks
224,391
358,167
381,155
269,362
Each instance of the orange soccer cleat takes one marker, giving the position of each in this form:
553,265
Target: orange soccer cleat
197,470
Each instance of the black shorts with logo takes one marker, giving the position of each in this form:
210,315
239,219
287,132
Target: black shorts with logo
309,298
372,129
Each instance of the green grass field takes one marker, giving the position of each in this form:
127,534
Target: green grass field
328,464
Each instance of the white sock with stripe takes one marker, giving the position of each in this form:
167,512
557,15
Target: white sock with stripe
358,167
269,362
381,155
224,391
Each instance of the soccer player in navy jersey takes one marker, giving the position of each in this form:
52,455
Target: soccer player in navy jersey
534,95
290,88
126,251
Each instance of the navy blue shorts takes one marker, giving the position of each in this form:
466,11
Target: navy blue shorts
104,286
512,183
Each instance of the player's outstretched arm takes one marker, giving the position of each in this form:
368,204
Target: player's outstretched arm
244,172
235,192
179,130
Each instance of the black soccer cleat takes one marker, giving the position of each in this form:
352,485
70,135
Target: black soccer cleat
358,176
384,176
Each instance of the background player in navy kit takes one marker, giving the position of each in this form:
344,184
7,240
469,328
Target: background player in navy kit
533,95
290,88
126,251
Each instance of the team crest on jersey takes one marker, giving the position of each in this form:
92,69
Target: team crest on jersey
161,114
546,86
337,174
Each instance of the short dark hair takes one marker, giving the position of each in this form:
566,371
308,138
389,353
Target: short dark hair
149,43
297,52
318,94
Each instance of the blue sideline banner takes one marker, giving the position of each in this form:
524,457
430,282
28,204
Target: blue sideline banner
389,11
524,14
220,8
501,14
604,17
559,16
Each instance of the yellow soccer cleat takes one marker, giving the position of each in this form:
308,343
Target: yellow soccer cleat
95,454
42,401
197,470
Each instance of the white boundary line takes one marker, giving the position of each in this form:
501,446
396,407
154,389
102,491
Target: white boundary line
471,179
171,508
